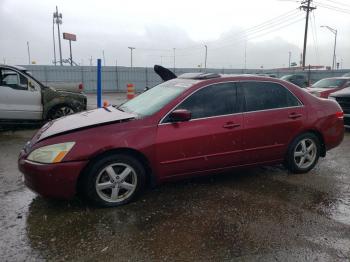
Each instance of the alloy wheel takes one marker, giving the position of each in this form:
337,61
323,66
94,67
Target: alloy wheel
305,153
116,182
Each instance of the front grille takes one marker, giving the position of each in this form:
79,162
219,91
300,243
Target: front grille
347,121
344,102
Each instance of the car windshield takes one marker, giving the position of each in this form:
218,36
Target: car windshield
329,83
153,100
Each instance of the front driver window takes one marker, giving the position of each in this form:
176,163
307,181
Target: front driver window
215,100
14,80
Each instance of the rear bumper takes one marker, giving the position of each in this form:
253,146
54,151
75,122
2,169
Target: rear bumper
52,180
334,134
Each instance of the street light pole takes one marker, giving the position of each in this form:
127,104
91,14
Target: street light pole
335,32
290,54
28,53
174,59
335,46
131,49
104,58
53,37
206,54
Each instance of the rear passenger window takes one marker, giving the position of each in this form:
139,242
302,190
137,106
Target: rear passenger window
214,100
267,95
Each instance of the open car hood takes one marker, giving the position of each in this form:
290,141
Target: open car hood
82,120
164,73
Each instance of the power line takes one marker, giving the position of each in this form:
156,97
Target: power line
337,3
267,25
272,22
262,32
245,34
266,33
257,33
251,36
314,36
334,8
284,16
317,50
272,25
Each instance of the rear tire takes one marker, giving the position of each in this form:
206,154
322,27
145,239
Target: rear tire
303,153
114,180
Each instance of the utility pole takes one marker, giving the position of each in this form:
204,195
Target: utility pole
58,17
306,6
28,53
290,55
54,40
131,49
174,59
205,60
335,32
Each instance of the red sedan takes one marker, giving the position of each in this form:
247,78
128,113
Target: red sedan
327,86
193,125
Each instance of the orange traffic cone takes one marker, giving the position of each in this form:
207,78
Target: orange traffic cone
130,93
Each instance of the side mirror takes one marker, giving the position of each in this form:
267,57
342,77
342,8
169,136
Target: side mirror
31,86
180,115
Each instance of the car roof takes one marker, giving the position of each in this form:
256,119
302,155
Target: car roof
220,78
207,76
20,68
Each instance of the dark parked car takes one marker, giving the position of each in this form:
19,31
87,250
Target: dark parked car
343,98
327,86
193,125
298,80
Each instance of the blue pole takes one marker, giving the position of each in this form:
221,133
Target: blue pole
99,84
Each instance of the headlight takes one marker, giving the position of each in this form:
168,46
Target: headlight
51,154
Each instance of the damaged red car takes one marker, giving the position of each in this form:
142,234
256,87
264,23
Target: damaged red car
196,124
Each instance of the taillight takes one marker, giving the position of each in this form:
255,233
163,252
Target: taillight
81,87
340,115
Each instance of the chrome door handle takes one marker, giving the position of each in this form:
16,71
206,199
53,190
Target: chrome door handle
295,115
230,125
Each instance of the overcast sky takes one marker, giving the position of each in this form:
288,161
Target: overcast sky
230,29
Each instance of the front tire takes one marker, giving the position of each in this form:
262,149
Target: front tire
113,180
303,153
60,111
